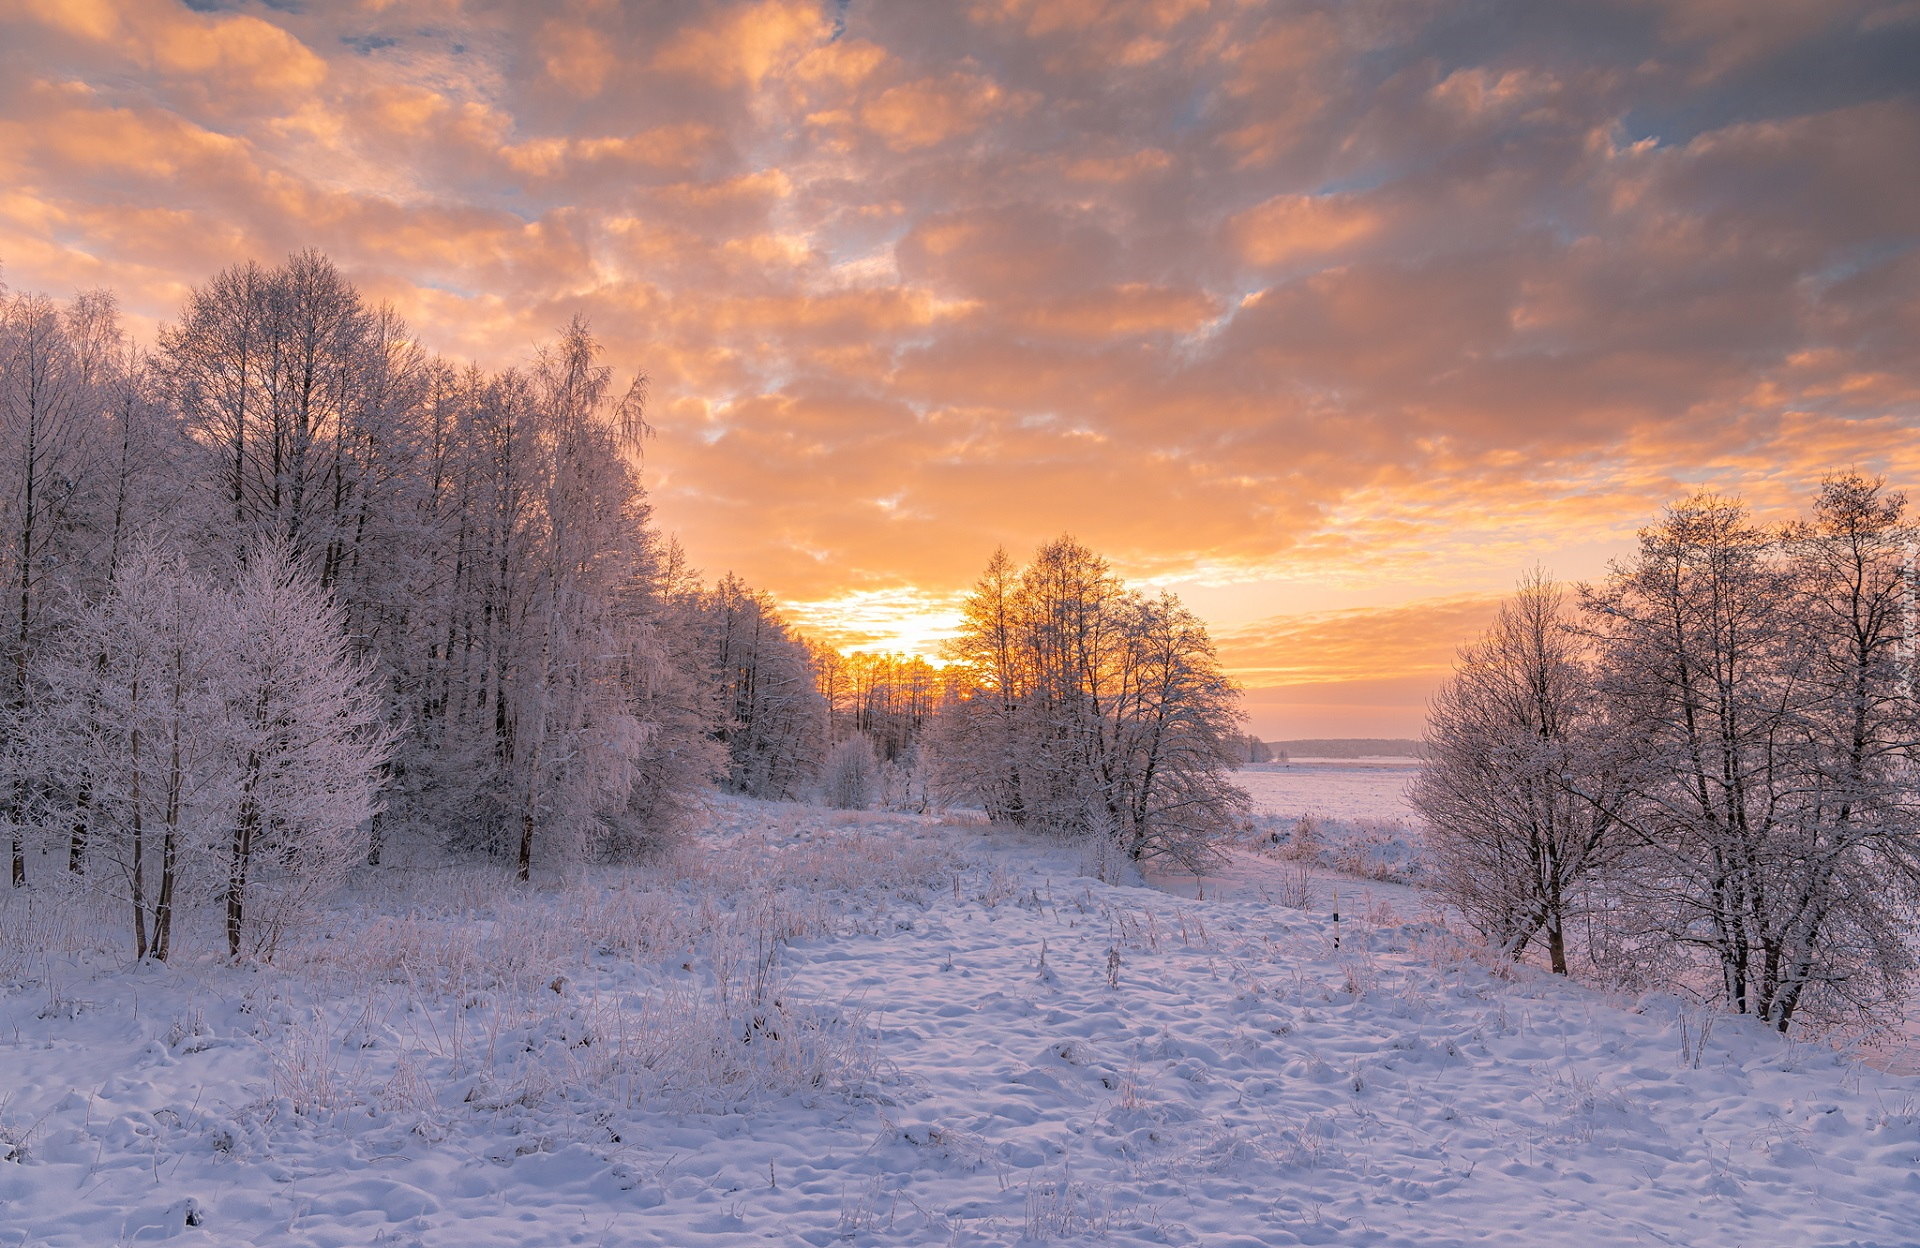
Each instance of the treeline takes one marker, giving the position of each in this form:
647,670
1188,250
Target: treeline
287,592
1704,770
881,708
496,652
1069,703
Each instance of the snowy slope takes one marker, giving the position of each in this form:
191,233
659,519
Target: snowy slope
960,1041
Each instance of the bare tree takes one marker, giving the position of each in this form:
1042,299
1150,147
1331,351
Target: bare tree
1753,686
977,737
1092,709
1510,748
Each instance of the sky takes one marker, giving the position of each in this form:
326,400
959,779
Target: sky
1333,318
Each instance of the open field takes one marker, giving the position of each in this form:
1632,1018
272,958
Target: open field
1338,788
882,1030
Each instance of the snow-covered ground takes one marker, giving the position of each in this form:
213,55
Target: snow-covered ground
1334,819
887,1030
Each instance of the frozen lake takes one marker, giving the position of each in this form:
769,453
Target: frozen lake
1339,788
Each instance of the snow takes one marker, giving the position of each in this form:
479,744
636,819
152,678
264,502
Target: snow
1335,788
961,1040
1335,818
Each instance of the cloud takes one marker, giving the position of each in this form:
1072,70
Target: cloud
1310,308
931,111
744,44
1415,639
1290,228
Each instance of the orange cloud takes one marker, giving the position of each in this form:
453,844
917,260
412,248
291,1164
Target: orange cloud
1416,639
575,56
1294,227
744,45
928,112
233,52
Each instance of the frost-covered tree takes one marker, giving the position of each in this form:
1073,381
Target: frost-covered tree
575,739
1510,749
487,540
44,444
304,742
1767,731
1845,913
772,717
1091,709
229,745
852,775
1175,737
137,720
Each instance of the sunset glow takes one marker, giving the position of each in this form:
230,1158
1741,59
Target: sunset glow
1333,318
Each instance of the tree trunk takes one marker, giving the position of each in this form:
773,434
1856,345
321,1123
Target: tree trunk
169,849
139,868
77,835
240,857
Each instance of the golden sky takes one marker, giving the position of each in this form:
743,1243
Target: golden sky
1333,317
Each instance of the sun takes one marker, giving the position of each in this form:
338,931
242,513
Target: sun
901,620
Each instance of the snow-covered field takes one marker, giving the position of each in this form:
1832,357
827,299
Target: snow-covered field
1333,818
888,1030
1337,788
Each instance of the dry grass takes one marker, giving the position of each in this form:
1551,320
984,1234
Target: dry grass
662,987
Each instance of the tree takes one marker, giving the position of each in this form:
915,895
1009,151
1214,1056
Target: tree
1509,750
1767,730
772,717
1175,736
1092,709
575,740
1853,843
979,727
304,742
486,539
852,775
229,744
137,711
